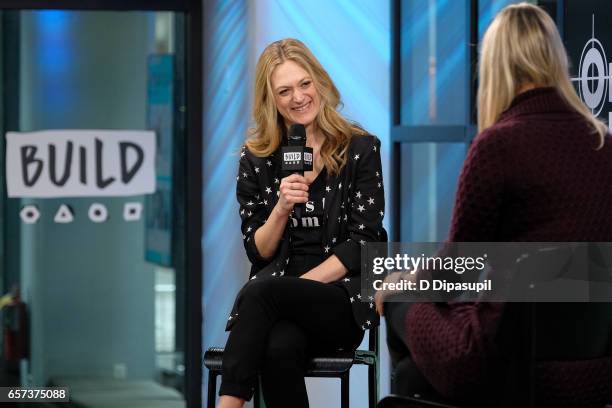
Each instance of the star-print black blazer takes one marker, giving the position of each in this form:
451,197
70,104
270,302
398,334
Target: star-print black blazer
354,210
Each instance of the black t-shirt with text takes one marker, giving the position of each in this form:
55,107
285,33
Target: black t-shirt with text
305,231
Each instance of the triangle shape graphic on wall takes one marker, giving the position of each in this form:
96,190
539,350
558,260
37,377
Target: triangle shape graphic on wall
64,215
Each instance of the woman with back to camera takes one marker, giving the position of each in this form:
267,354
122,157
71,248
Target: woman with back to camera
539,170
303,296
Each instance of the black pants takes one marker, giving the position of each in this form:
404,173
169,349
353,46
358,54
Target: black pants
281,322
395,316
406,378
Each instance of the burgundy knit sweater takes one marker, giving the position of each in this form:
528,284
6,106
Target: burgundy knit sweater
533,176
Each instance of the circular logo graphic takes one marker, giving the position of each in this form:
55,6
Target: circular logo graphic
593,71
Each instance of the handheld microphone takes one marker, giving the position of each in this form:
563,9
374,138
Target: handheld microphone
297,158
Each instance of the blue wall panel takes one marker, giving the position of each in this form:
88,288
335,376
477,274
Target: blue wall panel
352,41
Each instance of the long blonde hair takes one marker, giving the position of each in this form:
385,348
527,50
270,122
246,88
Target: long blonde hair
522,45
267,133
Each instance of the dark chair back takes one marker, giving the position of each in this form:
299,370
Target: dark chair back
537,332
572,331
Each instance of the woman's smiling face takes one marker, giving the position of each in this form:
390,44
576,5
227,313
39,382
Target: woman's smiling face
295,94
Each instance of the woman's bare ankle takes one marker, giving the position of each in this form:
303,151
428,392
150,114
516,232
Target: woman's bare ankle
227,401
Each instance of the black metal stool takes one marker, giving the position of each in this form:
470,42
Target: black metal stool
336,365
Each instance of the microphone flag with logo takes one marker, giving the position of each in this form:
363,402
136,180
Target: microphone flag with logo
296,157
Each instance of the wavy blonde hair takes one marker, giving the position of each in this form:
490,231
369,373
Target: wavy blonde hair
522,45
269,128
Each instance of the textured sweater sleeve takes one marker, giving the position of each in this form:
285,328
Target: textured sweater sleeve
479,194
367,204
451,343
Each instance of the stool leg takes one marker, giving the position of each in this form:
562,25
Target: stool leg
257,396
212,389
344,390
372,386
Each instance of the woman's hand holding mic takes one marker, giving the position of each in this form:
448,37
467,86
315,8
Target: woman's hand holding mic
293,190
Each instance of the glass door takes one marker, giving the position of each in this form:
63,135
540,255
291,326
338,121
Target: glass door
94,174
434,68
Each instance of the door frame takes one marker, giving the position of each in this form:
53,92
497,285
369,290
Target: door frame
192,166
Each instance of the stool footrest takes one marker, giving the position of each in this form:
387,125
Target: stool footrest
321,365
